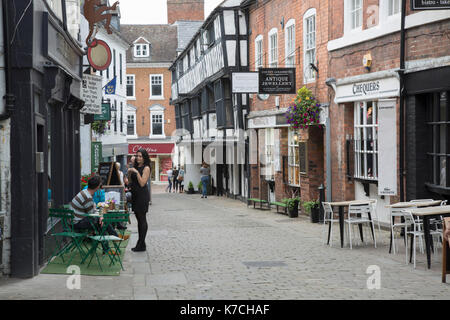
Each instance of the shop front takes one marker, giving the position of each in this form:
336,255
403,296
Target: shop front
161,155
368,140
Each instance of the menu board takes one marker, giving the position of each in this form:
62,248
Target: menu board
109,174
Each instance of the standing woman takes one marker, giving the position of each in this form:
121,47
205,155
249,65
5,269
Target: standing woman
140,195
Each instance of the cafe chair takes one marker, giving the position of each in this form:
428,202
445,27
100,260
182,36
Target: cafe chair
397,221
75,239
374,213
359,214
328,217
416,232
109,219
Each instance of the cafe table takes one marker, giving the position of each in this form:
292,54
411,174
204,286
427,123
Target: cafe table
426,214
341,205
410,205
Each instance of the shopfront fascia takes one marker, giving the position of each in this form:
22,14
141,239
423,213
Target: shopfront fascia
161,155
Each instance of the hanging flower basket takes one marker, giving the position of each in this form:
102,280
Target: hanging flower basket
304,110
99,127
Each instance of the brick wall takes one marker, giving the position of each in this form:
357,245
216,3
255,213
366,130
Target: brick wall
143,102
191,10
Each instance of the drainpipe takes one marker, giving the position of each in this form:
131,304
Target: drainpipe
9,97
402,100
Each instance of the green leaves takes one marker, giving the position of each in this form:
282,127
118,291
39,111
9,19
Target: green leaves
304,110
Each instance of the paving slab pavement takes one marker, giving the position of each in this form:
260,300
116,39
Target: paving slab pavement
218,248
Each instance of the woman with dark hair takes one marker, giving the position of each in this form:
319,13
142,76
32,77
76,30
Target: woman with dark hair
140,199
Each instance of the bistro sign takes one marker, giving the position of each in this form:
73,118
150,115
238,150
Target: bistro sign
430,4
277,81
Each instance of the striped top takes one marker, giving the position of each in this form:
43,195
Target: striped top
82,203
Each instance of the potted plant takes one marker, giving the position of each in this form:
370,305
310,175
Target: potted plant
200,187
312,208
190,189
99,127
292,206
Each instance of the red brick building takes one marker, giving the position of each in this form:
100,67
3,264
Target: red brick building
288,34
372,154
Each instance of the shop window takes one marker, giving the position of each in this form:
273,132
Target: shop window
394,7
290,44
439,137
141,50
269,154
293,162
365,143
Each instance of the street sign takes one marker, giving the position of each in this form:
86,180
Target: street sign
430,4
245,82
106,113
277,81
91,93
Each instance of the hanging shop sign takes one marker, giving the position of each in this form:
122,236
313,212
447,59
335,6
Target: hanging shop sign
245,82
387,147
106,113
91,93
276,81
99,55
96,155
430,4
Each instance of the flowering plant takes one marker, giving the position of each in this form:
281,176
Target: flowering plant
102,205
99,126
304,110
85,179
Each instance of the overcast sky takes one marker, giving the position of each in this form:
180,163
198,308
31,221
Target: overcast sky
151,11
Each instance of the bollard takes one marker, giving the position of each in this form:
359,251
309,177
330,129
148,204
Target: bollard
321,199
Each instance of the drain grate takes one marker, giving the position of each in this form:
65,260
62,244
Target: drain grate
264,264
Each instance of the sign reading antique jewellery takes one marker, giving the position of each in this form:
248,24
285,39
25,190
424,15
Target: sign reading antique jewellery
277,80
91,93
430,4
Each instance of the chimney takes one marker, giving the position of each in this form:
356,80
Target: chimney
188,10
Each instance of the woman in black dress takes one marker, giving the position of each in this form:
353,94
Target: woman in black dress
140,195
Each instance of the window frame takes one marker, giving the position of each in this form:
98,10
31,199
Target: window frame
133,116
391,5
259,56
159,97
133,97
309,74
141,55
360,145
157,113
273,50
289,52
269,154
293,162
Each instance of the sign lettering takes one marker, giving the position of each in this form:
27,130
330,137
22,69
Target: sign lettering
277,80
430,4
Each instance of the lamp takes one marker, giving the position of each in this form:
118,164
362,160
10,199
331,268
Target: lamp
282,23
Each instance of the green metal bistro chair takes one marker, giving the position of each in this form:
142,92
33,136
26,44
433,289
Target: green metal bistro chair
75,238
109,219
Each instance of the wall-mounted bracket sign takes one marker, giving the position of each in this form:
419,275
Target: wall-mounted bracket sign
99,55
430,4
93,12
277,81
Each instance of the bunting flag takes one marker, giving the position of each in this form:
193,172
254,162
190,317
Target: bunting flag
110,88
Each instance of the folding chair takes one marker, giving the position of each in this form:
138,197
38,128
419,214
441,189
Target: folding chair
76,238
102,238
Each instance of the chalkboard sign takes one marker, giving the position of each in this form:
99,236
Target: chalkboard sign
109,174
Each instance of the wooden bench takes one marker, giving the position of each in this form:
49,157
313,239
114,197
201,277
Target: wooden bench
256,200
280,204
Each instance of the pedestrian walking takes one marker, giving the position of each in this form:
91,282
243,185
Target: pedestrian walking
140,195
169,179
181,179
204,172
175,179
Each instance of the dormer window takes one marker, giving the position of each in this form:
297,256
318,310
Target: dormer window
141,50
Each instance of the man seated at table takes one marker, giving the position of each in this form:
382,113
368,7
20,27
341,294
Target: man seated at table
83,203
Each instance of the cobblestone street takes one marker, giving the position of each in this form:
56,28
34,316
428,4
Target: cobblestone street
217,248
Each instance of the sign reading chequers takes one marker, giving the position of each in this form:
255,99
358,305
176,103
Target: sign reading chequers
276,80
430,4
374,89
